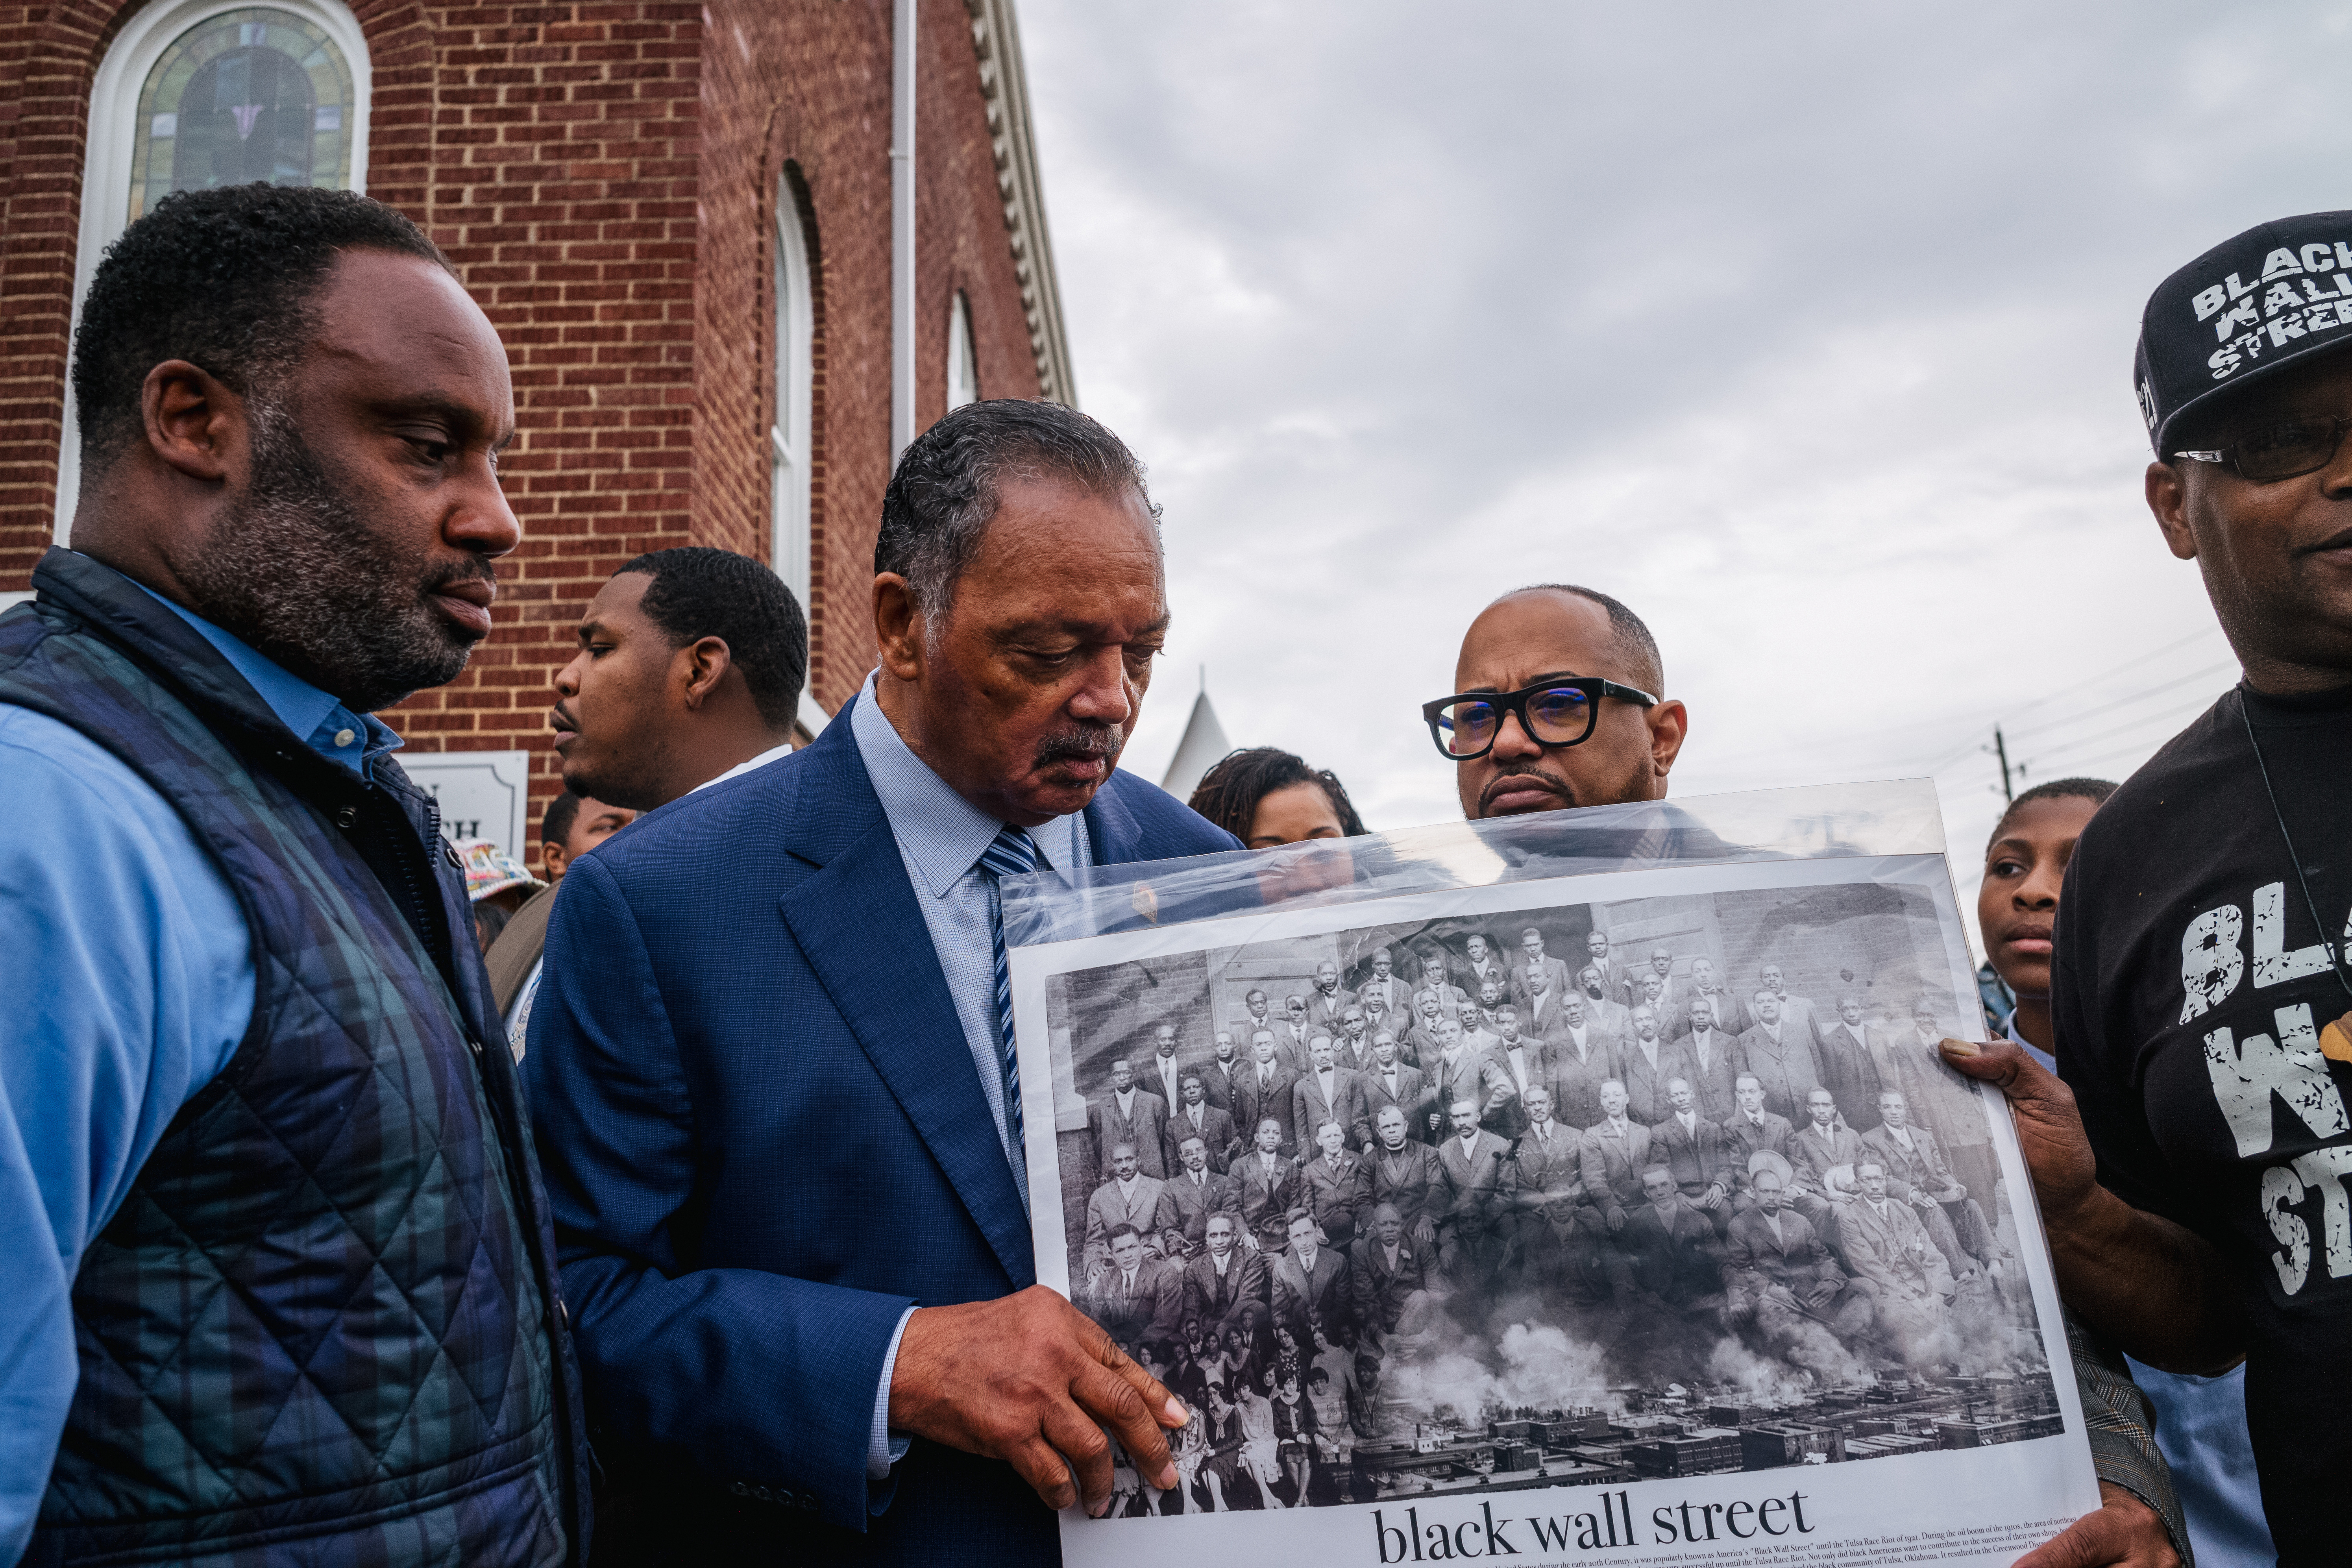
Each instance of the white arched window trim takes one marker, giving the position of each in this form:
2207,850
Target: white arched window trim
788,434
964,360
113,128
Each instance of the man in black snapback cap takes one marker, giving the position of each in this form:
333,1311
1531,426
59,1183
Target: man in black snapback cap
2194,1179
2276,298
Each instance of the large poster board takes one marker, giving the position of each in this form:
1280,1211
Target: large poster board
1521,1340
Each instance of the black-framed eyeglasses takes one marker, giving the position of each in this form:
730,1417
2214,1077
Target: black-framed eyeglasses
2283,449
1554,713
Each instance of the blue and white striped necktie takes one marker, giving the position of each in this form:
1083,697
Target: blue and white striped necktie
1012,854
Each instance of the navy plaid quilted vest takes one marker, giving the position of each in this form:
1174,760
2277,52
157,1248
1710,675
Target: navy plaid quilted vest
322,1327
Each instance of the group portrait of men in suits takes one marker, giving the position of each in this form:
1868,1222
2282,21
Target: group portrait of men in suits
1364,1155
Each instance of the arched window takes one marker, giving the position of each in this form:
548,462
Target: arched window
963,364
204,93
788,437
253,94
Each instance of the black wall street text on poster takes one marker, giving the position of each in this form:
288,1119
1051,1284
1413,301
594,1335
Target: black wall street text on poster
1611,1523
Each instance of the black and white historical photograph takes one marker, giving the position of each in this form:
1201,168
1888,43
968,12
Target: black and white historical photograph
1580,1193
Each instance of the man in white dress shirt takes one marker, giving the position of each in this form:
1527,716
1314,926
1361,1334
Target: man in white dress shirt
1670,996
1730,1013
689,674
1132,1115
1715,1061
1257,1013
1395,996
1355,1038
1329,1092
1537,972
1195,1117
1529,1067
1614,1017
1797,1011
1391,1082
1162,1073
1616,983
1480,962
1330,1001
1583,1058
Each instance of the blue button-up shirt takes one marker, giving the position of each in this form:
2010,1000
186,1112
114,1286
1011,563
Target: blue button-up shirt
353,740
941,837
129,965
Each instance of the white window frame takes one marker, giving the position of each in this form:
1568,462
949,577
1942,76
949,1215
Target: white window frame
788,431
963,359
112,128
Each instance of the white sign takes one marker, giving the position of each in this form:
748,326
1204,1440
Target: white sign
483,794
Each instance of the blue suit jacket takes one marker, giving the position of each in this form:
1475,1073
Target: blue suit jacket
765,1138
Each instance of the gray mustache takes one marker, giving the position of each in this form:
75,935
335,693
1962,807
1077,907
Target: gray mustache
1101,744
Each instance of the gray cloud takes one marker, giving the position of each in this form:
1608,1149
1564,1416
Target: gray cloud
1804,330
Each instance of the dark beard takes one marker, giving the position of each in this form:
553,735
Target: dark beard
296,570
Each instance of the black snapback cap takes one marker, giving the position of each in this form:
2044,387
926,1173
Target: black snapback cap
2273,297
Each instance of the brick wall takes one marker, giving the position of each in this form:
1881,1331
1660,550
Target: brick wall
1879,943
605,178
47,55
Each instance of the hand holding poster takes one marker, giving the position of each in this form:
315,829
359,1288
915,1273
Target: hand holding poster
1573,1190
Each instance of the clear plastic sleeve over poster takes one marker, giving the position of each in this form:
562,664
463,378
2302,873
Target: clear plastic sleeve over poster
1573,1187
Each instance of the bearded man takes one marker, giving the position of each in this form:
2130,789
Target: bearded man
256,1059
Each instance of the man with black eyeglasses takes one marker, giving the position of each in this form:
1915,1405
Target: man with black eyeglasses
1559,705
2191,1169
1559,702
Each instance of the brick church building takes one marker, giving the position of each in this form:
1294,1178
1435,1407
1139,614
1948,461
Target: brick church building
679,217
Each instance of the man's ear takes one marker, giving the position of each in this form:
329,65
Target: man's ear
551,859
2168,498
193,423
703,665
1669,725
898,627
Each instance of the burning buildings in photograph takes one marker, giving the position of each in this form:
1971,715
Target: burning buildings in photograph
1675,1432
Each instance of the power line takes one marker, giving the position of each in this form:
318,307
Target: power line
2211,669
2077,742
2142,751
2128,664
2141,697
1973,748
2004,720
2165,720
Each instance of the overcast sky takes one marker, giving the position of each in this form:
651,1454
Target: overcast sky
1805,331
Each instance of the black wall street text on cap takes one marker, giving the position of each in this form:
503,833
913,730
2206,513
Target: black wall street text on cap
2272,296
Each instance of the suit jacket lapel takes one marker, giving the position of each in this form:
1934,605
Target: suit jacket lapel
1112,833
861,929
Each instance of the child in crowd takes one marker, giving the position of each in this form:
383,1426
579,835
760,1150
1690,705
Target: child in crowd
2200,1421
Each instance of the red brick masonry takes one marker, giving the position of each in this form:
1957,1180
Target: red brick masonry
605,178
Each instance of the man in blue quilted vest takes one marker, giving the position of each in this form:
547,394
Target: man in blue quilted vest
280,1283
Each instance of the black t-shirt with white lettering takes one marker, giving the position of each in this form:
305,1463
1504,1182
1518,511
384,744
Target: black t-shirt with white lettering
2189,990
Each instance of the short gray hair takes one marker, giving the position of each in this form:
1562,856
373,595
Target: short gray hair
944,493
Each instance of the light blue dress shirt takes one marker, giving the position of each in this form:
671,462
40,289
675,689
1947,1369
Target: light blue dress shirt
941,837
2200,1429
353,740
129,965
